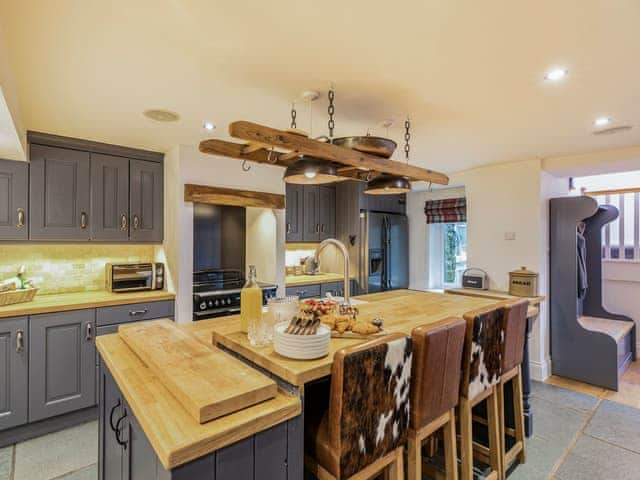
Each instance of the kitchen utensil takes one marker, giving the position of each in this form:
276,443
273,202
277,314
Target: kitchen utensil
382,147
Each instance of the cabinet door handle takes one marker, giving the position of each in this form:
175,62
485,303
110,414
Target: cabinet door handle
288,227
117,431
123,222
301,293
83,220
322,228
317,228
136,222
88,332
20,223
113,410
20,341
135,313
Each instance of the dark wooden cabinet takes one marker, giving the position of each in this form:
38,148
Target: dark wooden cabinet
14,196
327,212
315,210
109,198
13,372
146,201
294,212
62,374
59,184
311,208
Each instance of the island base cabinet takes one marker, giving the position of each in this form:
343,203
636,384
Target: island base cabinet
13,372
62,371
125,452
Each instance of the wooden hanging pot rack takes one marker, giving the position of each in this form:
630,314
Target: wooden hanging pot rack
352,164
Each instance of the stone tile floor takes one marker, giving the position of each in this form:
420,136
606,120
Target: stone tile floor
576,437
580,437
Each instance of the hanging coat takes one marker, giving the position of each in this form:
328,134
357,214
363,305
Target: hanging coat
582,265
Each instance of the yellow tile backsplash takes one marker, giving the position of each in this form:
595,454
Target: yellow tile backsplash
68,268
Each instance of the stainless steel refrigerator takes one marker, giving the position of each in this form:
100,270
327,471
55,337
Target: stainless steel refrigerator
384,252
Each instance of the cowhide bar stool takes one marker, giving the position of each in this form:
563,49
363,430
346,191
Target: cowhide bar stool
481,371
363,432
514,338
435,386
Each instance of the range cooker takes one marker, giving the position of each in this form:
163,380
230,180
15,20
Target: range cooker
216,293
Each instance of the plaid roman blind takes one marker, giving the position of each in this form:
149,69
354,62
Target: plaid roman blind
446,211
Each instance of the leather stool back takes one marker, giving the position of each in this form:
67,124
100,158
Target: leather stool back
514,334
437,355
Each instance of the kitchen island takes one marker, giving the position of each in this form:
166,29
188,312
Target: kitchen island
264,441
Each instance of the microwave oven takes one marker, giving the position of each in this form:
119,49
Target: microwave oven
133,277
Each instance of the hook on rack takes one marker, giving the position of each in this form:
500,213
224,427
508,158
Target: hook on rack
245,166
269,155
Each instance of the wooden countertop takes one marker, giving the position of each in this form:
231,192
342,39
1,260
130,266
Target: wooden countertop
174,434
77,301
402,311
495,294
298,280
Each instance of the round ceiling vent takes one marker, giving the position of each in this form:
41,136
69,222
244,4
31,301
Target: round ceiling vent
160,115
613,130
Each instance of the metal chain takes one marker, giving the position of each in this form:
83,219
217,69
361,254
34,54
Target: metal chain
331,110
294,114
407,137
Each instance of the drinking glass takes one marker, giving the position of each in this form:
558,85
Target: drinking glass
282,309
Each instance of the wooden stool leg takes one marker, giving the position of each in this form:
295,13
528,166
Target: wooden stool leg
501,430
518,409
414,462
450,450
395,470
493,412
466,439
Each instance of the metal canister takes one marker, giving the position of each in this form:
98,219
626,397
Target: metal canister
523,283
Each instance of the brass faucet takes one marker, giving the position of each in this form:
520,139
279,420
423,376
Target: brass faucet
345,254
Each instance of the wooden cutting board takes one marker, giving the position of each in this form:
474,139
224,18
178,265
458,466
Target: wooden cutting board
208,382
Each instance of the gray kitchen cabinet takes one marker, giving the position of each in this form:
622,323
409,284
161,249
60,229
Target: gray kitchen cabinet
62,375
13,372
304,291
109,446
311,210
14,196
59,184
327,211
109,198
294,212
146,201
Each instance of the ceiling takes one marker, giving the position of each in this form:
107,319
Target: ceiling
469,74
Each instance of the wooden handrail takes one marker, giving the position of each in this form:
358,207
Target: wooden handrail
616,191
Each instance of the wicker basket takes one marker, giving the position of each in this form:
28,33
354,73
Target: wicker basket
17,296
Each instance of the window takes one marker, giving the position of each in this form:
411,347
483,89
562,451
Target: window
454,254
447,254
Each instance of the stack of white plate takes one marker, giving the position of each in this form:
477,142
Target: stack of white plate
301,347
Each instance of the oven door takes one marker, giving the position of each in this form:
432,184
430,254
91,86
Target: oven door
131,278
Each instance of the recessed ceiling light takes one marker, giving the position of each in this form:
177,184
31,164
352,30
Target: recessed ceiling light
208,126
556,74
602,121
160,115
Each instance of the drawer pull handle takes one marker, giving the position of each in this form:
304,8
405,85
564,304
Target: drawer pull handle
288,227
20,341
89,333
123,222
136,313
113,410
20,223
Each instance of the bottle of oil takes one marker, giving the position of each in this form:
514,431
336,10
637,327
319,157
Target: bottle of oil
250,301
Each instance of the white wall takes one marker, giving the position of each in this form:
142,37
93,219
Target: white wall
266,228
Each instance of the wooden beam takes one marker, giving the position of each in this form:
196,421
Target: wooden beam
230,196
252,132
238,150
617,191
